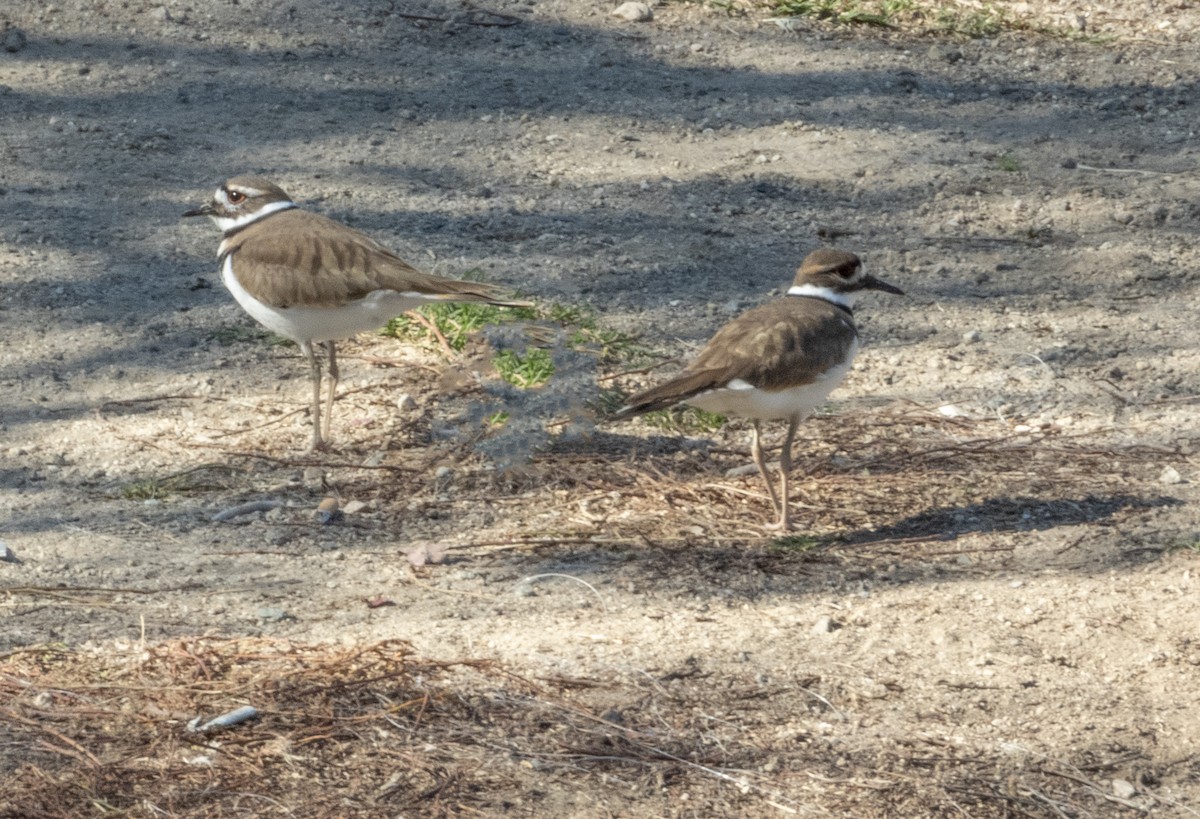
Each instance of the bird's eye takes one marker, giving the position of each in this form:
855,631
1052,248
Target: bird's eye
236,197
848,272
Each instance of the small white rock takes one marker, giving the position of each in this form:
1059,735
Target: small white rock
1170,475
634,12
823,626
442,472
7,555
406,403
1123,789
972,336
950,411
354,507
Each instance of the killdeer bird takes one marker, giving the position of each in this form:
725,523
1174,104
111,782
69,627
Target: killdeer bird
777,361
313,280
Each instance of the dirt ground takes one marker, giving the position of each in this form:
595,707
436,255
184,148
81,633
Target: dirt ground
991,609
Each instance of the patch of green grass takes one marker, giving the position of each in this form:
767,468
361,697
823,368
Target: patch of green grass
1008,163
796,544
936,16
684,419
528,370
146,489
203,478
730,7
845,12
974,23
458,321
1185,545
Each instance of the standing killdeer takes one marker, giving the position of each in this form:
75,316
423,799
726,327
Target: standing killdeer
777,361
314,280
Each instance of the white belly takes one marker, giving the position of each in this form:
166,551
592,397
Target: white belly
740,398
305,324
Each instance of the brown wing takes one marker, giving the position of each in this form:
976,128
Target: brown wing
327,263
786,343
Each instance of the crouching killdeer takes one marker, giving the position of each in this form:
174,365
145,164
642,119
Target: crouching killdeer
314,280
777,361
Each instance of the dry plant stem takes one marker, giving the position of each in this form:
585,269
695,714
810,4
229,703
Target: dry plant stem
421,319
584,583
639,371
271,423
129,402
292,462
246,509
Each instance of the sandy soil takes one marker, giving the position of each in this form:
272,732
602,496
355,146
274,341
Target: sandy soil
992,610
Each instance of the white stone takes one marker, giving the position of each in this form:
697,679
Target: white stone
1123,789
1170,475
634,12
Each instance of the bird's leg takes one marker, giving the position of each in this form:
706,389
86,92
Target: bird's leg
315,366
333,382
757,453
785,467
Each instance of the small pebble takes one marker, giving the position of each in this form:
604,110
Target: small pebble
406,403
634,12
272,614
972,336
354,507
1123,789
7,554
824,625
1170,476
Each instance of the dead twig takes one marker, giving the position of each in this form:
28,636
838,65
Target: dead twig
424,321
246,509
639,370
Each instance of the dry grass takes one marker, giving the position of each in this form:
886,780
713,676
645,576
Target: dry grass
377,731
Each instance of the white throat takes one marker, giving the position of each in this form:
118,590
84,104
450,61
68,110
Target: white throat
226,223
844,299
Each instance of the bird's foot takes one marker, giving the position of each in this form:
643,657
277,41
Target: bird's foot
320,445
783,525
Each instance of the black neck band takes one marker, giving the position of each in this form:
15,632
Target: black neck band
236,230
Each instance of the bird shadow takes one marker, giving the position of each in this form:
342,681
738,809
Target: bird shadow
1008,514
